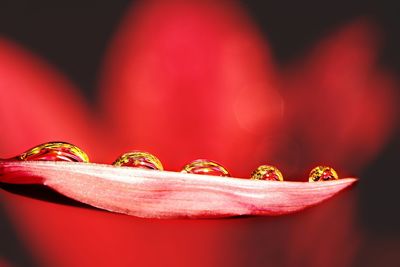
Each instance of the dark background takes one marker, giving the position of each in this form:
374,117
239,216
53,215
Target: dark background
73,37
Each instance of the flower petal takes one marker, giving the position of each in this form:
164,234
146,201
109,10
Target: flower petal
346,109
162,194
193,79
38,105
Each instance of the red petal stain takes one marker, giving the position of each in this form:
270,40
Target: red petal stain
162,194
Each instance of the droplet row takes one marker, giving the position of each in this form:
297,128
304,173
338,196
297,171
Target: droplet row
62,151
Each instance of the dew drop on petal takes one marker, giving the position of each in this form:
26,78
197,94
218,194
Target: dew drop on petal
55,151
139,159
322,173
267,172
206,167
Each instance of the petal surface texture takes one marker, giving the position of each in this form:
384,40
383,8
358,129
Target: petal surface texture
162,194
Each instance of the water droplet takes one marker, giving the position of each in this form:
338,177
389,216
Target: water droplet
139,159
322,173
206,167
267,172
55,151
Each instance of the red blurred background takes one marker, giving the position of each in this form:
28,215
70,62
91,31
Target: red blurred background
238,82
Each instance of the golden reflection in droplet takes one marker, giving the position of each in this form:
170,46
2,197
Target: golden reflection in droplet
267,172
322,173
139,159
205,167
55,151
